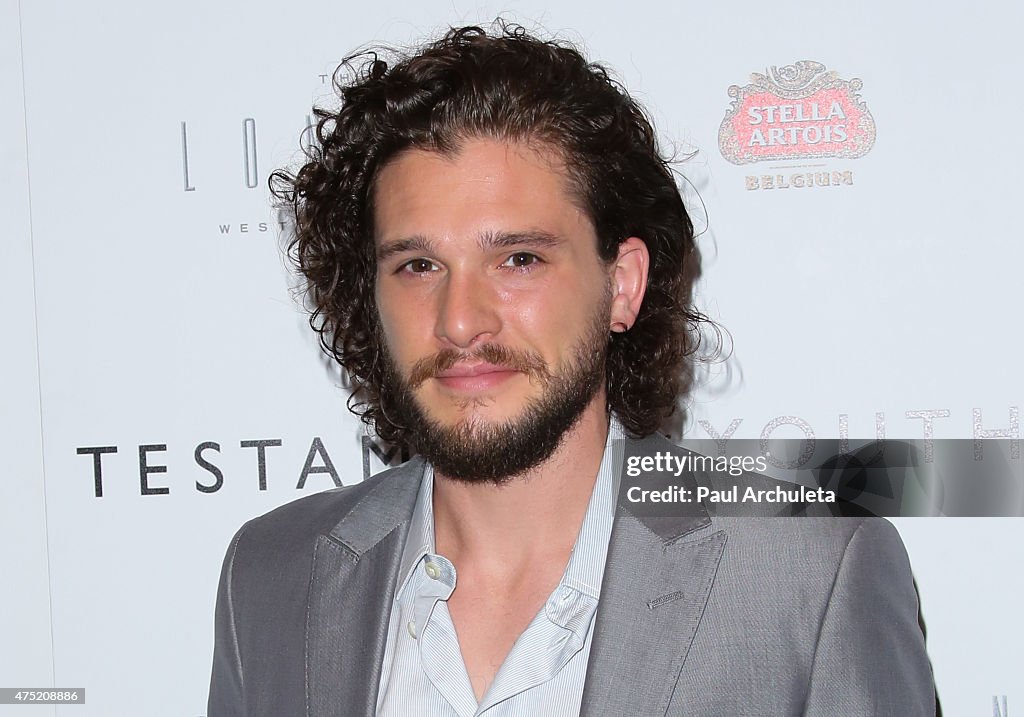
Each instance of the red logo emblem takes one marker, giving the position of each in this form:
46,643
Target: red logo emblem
800,111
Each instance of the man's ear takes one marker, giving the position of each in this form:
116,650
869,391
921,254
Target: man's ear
629,282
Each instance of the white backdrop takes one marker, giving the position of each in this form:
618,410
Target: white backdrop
147,310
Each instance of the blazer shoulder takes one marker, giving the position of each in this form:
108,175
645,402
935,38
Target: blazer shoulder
390,493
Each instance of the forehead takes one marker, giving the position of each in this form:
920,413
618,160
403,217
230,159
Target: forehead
485,185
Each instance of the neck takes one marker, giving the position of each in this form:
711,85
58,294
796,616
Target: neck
502,528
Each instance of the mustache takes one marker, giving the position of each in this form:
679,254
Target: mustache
528,362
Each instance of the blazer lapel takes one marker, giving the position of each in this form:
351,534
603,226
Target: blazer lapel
656,583
355,570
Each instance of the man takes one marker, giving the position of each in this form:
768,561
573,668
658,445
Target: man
500,258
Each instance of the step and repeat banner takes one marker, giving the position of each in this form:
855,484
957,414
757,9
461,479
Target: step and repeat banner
850,169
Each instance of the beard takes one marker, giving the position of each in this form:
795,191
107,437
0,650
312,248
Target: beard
477,451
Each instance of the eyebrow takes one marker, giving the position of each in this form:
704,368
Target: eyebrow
507,240
417,243
487,240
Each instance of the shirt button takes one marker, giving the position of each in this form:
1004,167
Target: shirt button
412,628
432,570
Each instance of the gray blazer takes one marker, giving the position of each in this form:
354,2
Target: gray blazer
699,615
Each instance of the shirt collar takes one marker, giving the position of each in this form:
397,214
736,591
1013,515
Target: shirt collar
420,541
585,568
586,562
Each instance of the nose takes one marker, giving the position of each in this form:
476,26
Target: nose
467,310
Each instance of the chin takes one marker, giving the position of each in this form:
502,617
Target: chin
455,411
474,419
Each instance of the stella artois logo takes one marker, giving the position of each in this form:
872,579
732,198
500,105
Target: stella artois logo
800,111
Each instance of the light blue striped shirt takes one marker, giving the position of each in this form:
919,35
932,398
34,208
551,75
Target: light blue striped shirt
423,672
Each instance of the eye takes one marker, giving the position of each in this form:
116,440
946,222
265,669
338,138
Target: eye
521,260
418,266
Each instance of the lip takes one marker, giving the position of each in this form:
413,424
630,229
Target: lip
470,370
474,377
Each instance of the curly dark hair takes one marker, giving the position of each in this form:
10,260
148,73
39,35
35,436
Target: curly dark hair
502,84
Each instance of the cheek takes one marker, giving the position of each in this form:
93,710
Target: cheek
527,307
398,325
553,319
